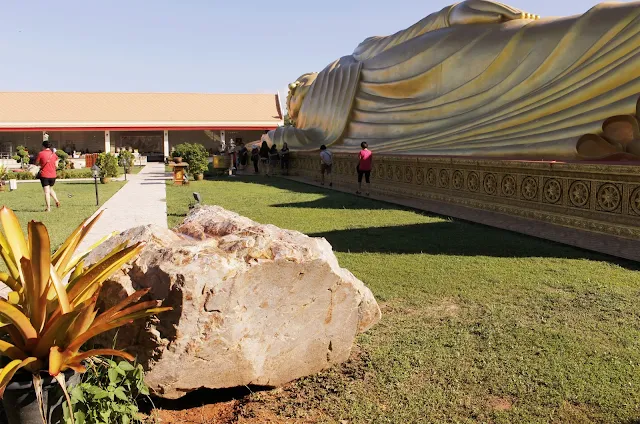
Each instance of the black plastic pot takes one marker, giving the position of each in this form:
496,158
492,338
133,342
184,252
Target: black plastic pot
21,405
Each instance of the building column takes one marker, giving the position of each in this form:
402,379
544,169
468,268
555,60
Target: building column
107,142
165,148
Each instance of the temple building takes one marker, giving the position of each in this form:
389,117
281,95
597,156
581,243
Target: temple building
149,123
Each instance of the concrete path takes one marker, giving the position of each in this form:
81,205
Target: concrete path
142,201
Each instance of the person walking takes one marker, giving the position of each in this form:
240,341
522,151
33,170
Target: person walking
47,161
264,157
284,159
274,158
326,162
255,158
365,162
243,156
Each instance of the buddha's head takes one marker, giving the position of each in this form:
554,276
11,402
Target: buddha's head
297,92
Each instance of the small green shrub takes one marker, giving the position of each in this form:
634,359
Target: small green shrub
108,394
195,155
126,159
24,175
74,173
64,162
108,165
4,174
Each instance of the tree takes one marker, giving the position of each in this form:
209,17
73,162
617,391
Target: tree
195,155
21,156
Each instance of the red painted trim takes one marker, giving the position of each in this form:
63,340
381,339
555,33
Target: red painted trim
140,129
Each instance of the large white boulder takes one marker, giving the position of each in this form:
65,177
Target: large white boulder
253,304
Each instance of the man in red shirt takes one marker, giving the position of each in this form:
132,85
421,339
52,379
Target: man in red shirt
364,167
47,161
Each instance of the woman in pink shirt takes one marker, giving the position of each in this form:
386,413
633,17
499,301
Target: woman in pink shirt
47,160
364,167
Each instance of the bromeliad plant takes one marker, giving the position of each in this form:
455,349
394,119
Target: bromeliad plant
48,322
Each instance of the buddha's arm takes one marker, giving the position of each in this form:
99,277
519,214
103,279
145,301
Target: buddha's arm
465,13
485,12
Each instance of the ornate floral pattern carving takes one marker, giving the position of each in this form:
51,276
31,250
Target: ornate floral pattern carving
609,197
473,181
444,178
398,173
420,176
579,193
634,201
490,184
552,190
508,186
457,181
431,177
601,192
408,174
529,188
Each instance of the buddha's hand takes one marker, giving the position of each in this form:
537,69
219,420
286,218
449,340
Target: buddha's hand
485,12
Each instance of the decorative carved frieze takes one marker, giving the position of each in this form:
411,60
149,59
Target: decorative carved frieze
601,198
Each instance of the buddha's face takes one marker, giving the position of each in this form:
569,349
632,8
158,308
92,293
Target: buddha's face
297,92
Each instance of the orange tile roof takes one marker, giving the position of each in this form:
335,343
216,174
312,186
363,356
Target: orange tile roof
137,110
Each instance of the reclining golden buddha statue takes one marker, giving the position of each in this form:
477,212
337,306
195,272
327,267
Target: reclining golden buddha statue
481,79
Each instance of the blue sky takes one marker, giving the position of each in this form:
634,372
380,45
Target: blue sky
197,45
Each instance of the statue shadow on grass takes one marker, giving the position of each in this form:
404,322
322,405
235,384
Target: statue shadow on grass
456,238
450,237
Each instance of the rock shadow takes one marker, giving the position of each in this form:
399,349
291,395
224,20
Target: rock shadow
200,397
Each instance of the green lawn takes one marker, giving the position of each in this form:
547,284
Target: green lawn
479,324
134,170
77,199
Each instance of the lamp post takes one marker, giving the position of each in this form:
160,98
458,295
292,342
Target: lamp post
96,173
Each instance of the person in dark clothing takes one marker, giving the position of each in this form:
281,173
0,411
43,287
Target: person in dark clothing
255,158
274,157
284,159
264,157
243,156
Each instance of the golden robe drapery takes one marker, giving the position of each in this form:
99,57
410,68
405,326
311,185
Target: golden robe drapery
519,89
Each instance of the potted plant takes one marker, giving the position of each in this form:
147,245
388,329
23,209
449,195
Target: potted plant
4,176
108,165
47,323
196,156
176,156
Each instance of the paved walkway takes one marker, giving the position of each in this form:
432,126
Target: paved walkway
142,201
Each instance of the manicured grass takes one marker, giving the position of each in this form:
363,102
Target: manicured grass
134,170
479,324
86,173
78,203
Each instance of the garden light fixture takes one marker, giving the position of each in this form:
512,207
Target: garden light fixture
96,173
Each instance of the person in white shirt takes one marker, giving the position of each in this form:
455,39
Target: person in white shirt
326,161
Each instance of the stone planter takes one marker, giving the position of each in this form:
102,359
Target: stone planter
198,177
177,159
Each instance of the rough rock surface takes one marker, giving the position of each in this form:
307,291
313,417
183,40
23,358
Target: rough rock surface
253,304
